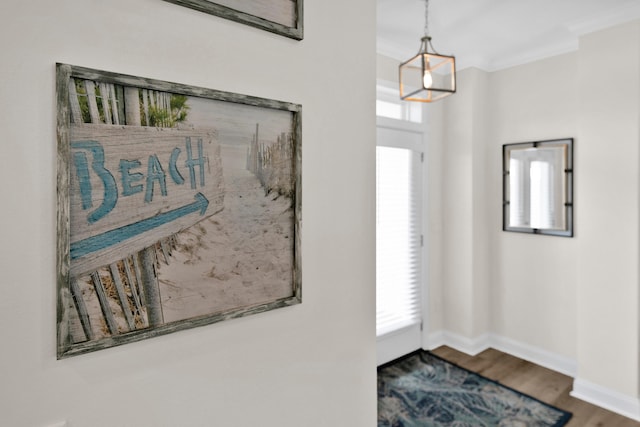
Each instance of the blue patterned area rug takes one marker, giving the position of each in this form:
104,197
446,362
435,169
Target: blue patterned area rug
423,390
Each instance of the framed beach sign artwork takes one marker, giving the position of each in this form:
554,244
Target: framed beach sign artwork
282,17
178,206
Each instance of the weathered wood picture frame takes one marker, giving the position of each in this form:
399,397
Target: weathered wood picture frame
284,17
178,206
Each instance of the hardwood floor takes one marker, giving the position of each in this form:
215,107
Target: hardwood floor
542,383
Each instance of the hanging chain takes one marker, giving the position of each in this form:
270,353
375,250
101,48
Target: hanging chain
426,18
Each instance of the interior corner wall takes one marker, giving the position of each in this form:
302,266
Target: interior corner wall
465,277
434,232
457,201
607,215
308,365
480,213
575,300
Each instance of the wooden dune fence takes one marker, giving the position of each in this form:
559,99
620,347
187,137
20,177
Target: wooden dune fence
127,290
272,163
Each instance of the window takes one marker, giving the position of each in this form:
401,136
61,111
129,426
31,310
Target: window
389,105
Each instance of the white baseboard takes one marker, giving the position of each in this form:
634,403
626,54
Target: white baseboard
473,346
434,340
536,355
470,346
612,400
606,398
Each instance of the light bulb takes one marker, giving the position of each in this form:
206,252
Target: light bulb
427,79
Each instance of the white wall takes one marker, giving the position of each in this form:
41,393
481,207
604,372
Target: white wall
308,365
457,198
608,217
533,277
435,220
576,298
465,276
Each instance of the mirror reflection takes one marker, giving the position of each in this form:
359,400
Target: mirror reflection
538,179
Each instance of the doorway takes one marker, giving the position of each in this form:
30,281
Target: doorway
399,239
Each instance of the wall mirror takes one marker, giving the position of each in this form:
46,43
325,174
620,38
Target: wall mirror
538,187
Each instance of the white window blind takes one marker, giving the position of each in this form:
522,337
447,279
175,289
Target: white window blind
398,240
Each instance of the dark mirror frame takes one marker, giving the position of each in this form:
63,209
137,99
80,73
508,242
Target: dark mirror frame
567,144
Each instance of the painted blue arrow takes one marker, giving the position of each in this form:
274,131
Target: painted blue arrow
111,237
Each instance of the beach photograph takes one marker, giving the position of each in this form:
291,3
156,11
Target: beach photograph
242,255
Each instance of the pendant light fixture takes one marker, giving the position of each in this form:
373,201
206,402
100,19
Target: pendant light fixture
428,76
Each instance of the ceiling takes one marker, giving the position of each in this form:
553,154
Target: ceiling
495,34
